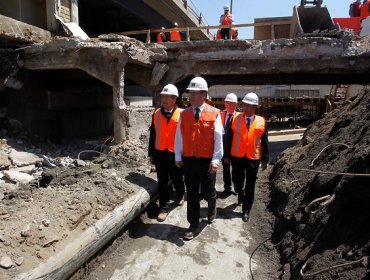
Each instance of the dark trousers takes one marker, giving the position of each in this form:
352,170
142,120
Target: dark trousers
225,33
197,176
166,168
226,176
245,170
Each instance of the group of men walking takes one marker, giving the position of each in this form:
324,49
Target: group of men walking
193,142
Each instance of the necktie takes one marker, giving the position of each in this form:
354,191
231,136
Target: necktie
197,111
228,118
248,122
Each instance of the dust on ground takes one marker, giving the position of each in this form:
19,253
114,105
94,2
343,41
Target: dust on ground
62,190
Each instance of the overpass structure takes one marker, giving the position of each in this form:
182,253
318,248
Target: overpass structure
248,62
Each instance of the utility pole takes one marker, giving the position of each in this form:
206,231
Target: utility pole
231,6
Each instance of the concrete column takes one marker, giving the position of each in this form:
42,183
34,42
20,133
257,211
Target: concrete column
51,9
119,109
74,11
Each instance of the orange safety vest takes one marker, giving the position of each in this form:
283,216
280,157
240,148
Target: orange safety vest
175,35
226,20
159,37
198,137
247,142
165,131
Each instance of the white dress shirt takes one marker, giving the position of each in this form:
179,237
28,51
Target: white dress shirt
218,151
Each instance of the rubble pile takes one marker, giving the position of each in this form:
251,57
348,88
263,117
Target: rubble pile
50,193
320,193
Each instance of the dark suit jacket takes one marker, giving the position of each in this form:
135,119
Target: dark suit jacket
227,128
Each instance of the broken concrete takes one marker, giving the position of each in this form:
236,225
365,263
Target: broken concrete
15,30
300,60
23,158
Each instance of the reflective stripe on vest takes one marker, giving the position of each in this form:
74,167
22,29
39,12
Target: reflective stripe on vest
198,137
247,142
165,131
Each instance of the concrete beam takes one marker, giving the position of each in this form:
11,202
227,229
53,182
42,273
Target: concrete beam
314,58
14,30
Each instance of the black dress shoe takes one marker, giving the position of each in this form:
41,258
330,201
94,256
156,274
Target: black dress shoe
245,216
225,194
189,233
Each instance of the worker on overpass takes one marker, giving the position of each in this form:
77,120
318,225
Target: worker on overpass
355,9
226,19
247,148
231,101
161,150
161,36
175,35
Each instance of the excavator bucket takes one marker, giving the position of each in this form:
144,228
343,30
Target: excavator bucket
310,19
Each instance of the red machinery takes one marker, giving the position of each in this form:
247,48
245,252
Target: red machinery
354,23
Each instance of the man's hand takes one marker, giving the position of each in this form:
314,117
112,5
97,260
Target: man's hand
263,165
226,161
212,168
179,164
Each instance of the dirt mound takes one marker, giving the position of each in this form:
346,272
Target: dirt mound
335,230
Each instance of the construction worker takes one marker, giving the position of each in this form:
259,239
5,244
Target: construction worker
226,19
355,9
231,101
175,35
161,150
161,37
198,148
247,147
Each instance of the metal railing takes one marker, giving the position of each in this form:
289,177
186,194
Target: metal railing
148,32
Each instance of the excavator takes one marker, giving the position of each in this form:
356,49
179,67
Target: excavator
317,18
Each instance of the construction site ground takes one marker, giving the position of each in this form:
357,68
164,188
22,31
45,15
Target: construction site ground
39,218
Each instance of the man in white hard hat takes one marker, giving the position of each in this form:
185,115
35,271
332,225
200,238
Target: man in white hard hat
247,147
175,35
198,148
231,101
161,36
161,150
226,19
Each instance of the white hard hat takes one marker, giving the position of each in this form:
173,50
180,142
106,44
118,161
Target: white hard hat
226,8
231,97
198,83
170,89
175,24
251,98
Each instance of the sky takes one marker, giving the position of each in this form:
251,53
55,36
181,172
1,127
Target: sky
245,11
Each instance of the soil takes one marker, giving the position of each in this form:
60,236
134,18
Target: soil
337,232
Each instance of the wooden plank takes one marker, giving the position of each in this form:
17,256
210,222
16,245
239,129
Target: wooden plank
206,27
65,262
